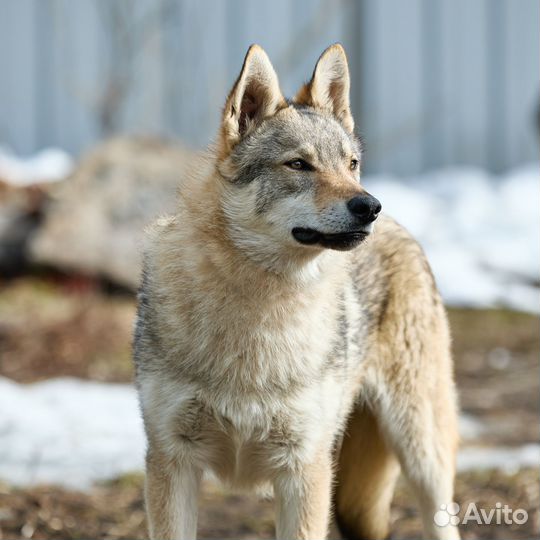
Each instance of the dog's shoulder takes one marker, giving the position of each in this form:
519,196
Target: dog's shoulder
392,275
159,236
160,259
395,245
393,253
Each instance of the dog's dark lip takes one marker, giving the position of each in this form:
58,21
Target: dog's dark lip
339,241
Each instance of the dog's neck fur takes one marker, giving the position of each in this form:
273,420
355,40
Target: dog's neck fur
259,319
201,201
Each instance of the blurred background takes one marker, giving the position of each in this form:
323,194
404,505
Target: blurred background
105,104
434,83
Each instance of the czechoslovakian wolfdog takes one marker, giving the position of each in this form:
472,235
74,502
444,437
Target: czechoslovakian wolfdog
288,335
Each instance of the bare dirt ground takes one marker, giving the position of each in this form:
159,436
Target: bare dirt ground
64,327
115,510
72,327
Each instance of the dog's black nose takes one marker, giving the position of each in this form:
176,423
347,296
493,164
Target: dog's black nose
365,207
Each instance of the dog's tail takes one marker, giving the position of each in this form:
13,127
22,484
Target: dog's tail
366,476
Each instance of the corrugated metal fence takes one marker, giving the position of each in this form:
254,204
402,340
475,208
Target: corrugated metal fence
435,82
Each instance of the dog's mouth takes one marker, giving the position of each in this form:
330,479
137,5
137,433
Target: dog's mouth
339,241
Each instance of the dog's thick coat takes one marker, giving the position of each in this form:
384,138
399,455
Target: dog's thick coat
269,359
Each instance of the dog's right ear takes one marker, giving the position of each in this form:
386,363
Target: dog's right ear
255,96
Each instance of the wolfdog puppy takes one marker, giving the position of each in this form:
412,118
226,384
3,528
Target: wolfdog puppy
289,336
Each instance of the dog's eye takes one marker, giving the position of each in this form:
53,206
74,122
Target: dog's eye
354,164
299,165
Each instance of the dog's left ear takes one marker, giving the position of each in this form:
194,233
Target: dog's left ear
329,86
255,96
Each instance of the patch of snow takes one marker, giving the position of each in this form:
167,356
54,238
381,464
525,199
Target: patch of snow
68,432
481,233
48,165
72,433
508,459
471,428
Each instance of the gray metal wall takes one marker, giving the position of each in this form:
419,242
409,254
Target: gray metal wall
435,82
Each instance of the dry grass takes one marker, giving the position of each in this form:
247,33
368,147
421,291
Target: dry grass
70,327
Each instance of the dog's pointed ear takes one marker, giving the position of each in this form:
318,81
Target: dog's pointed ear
329,86
255,96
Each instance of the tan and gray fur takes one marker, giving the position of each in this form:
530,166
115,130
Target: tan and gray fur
277,364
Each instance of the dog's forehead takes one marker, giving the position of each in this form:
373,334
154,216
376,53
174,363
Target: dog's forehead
305,129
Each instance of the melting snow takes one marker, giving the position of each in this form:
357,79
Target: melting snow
68,431
48,165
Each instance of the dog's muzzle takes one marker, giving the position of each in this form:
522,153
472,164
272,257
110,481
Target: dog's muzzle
364,208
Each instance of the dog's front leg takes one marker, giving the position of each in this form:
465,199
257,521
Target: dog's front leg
171,494
303,500
421,426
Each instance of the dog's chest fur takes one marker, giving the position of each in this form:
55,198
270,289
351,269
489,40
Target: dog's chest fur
243,377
